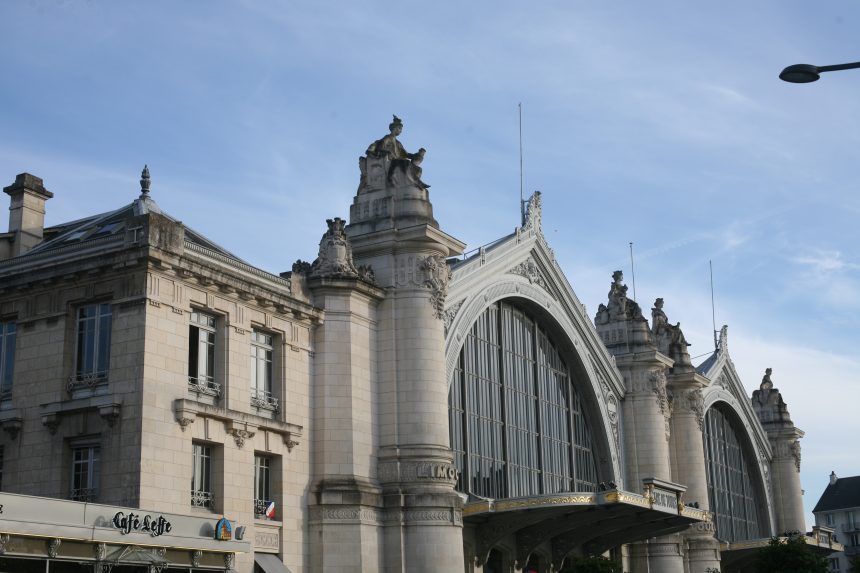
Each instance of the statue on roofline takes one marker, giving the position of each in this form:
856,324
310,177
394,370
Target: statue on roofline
388,163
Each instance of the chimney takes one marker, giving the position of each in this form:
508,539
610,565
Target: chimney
833,478
26,212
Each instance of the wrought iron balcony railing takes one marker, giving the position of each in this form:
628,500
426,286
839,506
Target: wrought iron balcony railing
204,385
260,506
202,499
83,494
264,399
82,380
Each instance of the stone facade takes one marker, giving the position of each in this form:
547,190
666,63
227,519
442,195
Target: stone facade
146,358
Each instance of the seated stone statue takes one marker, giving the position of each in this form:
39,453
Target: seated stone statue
388,162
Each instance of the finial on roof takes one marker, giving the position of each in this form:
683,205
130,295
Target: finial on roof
144,181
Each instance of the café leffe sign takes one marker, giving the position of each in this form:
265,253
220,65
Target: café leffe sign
128,522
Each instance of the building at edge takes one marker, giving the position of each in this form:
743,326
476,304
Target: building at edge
393,406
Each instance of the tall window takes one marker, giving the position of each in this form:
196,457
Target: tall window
261,371
85,473
7,358
263,487
517,421
201,476
738,514
201,354
92,355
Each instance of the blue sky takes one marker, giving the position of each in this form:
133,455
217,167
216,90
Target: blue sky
661,123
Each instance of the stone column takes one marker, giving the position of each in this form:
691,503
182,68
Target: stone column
688,466
784,439
392,231
646,412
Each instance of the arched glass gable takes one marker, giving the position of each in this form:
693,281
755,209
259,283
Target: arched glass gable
517,421
736,503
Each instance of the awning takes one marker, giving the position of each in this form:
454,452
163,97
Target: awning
593,522
270,563
742,554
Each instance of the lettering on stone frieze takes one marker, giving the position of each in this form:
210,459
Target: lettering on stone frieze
437,471
266,539
154,526
704,527
665,499
437,273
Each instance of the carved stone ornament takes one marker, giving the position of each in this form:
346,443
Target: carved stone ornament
451,313
240,435
335,253
335,256
13,427
53,547
531,272
184,422
195,558
437,273
664,397
532,216
795,452
696,405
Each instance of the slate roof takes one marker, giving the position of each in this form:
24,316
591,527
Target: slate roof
843,494
706,365
113,222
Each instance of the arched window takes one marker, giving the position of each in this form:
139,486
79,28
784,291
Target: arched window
517,421
736,503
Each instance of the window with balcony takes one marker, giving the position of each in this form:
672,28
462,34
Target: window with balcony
85,472
201,354
261,371
7,358
202,494
92,351
264,505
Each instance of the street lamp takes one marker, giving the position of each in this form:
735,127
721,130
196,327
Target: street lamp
805,73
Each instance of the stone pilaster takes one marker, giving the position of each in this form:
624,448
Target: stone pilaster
784,439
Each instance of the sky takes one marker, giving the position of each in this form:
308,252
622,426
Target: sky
659,123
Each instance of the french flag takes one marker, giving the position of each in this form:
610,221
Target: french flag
270,510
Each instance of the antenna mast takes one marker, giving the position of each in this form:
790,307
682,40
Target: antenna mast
632,271
713,311
522,201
